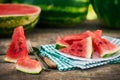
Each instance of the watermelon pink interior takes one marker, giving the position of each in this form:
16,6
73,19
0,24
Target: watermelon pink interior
10,9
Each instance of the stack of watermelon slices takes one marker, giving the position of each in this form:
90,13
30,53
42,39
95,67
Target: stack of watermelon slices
17,53
86,45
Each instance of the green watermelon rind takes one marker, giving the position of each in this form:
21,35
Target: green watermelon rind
110,52
59,46
9,30
26,70
12,20
68,18
89,48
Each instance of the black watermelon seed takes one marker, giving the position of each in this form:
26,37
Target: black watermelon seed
80,45
14,50
20,49
80,50
100,42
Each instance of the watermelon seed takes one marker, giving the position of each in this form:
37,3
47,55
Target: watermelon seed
100,42
72,49
20,49
14,50
80,45
105,42
80,50
94,50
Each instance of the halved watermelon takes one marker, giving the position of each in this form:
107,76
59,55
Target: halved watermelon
28,65
81,48
17,48
104,47
13,15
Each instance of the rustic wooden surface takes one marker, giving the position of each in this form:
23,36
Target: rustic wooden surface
40,36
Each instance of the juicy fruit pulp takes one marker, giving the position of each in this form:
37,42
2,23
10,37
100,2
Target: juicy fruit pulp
15,9
100,45
17,48
104,47
28,65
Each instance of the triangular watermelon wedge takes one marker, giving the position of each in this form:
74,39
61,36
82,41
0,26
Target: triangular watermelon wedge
17,48
81,48
104,47
28,65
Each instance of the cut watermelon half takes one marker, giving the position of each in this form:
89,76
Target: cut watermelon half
81,48
104,47
17,48
13,15
28,65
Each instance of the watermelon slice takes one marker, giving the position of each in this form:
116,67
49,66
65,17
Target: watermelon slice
17,48
65,41
13,15
100,45
104,47
81,48
28,65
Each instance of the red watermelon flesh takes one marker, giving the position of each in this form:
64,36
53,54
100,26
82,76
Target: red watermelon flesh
76,37
98,33
100,46
65,41
15,9
81,48
104,47
28,65
17,48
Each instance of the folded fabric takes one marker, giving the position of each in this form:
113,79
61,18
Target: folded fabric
65,63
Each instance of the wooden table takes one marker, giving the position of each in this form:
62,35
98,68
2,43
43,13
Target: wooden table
40,36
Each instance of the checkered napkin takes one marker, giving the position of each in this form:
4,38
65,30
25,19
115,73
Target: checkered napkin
65,63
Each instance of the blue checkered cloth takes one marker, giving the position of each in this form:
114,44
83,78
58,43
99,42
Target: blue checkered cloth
65,63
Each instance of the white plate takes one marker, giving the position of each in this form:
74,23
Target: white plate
93,59
113,40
